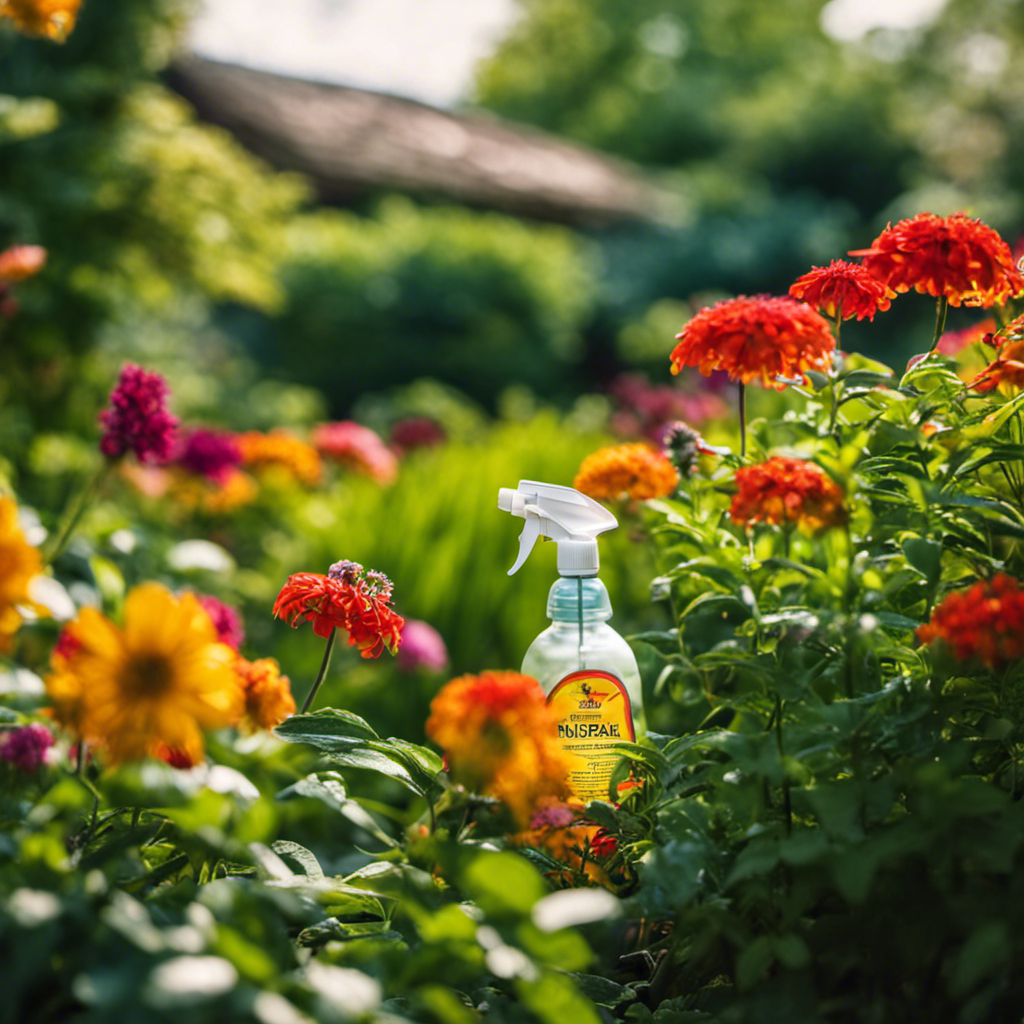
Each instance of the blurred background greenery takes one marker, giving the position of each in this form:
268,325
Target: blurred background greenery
172,246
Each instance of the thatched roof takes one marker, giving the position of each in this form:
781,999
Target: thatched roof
351,142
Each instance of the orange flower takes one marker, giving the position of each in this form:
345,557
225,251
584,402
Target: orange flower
755,338
500,738
634,469
843,287
346,598
20,261
1008,365
983,623
268,694
51,18
156,683
280,450
957,257
787,490
356,447
19,564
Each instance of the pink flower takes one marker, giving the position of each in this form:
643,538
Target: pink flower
26,746
356,447
422,648
225,619
209,453
137,420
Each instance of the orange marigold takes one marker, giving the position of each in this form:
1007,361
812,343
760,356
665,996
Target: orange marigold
843,288
268,693
347,598
500,738
983,623
957,257
19,565
279,449
51,18
1008,365
760,338
634,469
787,490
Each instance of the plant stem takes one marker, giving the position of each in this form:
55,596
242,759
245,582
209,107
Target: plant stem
786,798
941,305
74,513
743,420
322,673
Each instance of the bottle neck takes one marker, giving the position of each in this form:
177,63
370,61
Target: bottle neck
576,599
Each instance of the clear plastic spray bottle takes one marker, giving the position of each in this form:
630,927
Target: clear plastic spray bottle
587,670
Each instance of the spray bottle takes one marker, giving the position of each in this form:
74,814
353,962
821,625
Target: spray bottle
587,670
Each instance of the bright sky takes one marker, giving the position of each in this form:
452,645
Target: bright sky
424,48
420,48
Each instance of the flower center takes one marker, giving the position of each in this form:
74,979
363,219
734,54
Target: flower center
146,676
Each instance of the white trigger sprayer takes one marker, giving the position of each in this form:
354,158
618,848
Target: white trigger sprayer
561,514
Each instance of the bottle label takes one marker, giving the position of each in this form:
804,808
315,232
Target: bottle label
593,712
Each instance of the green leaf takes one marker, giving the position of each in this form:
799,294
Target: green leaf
925,555
503,884
555,999
377,761
754,961
328,729
293,851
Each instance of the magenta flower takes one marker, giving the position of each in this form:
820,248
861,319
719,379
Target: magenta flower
137,420
416,432
209,453
26,746
225,619
356,447
422,648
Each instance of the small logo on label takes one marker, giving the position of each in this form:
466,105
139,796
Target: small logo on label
590,701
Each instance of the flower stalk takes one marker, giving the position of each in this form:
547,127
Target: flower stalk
321,675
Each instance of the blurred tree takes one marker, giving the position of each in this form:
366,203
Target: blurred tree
135,202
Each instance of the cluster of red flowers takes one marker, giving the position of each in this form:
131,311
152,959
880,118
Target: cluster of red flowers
956,257
347,598
636,470
983,623
211,454
843,289
761,338
787,490
137,420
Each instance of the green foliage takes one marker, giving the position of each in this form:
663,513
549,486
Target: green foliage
477,300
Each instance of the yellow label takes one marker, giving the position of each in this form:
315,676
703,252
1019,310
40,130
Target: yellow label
593,712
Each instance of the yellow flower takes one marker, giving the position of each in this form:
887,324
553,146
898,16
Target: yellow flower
160,680
19,563
268,694
51,18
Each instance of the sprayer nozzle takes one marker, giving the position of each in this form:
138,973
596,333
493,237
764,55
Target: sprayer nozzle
510,500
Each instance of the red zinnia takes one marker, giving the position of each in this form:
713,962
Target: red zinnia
956,257
985,622
787,490
346,598
137,420
755,338
845,288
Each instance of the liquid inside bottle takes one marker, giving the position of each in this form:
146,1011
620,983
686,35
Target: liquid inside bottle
592,681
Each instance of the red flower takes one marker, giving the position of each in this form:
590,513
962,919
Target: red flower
957,257
211,454
845,288
983,623
1008,365
755,338
137,420
347,598
953,342
787,490
226,621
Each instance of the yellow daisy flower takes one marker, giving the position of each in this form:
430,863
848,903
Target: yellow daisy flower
162,679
